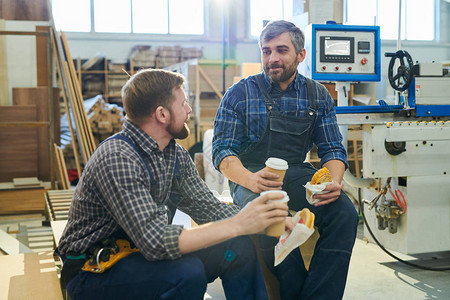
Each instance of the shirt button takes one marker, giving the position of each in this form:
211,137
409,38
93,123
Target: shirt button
160,159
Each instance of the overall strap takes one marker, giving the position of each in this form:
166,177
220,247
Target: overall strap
124,138
312,95
262,87
139,152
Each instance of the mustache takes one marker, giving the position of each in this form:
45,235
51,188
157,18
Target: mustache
273,66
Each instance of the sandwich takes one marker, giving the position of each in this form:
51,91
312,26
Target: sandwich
307,218
321,176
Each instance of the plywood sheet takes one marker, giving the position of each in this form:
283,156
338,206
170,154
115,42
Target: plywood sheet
39,97
29,276
18,201
19,145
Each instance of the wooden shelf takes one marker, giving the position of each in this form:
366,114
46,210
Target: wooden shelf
104,76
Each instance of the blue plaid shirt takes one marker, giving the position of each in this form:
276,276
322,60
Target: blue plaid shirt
241,119
116,191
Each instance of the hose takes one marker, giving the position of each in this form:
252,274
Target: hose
361,205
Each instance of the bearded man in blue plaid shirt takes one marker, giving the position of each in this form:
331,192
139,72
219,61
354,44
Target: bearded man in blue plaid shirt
128,193
280,113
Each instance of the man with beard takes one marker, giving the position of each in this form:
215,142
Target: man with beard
119,228
280,113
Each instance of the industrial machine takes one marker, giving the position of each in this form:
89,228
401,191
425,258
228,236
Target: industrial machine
407,149
406,146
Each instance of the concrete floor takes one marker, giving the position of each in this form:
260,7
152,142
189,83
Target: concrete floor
374,275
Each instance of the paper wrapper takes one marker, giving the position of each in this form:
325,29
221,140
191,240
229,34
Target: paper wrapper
313,189
292,239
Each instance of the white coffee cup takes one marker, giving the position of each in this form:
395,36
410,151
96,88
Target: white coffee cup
276,229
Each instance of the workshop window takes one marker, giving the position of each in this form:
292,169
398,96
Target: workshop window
130,16
417,21
267,10
70,15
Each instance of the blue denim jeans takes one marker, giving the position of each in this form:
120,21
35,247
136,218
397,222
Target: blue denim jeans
234,261
337,224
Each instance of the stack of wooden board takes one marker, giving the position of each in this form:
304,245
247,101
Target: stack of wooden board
82,139
57,204
105,119
25,195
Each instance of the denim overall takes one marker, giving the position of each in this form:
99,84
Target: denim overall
288,137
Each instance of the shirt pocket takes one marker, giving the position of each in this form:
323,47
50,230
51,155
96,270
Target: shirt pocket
290,125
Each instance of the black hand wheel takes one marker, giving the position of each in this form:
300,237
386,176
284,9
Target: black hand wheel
402,79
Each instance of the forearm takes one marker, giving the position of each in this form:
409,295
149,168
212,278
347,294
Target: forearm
232,168
207,235
253,218
336,168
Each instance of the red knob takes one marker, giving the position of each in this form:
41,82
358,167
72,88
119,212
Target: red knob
337,68
364,61
324,67
349,68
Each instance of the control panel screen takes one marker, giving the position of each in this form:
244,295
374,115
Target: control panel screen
337,49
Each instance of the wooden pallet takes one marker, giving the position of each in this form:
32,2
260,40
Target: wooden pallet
57,204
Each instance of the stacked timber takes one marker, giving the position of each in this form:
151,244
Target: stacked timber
105,119
167,55
142,57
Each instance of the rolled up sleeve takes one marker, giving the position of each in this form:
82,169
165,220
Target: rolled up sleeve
228,129
328,138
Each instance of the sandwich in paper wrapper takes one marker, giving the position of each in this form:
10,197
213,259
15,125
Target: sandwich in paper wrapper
303,229
318,182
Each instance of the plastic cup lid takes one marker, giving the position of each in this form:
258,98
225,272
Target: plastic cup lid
283,200
277,163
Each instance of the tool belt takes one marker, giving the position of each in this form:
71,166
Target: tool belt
97,259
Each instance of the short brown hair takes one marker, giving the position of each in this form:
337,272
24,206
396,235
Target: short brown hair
148,89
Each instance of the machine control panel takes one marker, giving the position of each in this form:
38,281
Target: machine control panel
343,52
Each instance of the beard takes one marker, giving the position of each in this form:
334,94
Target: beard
285,75
181,133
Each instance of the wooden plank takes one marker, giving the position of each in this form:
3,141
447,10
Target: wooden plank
19,146
26,181
209,81
42,56
3,68
12,246
29,276
77,116
65,176
59,62
54,193
59,175
90,143
20,201
61,208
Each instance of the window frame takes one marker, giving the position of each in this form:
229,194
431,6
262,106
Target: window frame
436,25
126,35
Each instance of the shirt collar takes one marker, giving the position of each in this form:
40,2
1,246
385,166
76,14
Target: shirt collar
141,138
